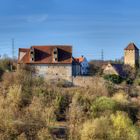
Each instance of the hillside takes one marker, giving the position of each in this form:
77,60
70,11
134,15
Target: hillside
32,109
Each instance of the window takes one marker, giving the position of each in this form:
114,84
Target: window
55,52
55,59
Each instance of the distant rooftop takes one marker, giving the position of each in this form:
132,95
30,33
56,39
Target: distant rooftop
44,54
79,59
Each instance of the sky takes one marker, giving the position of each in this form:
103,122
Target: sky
90,26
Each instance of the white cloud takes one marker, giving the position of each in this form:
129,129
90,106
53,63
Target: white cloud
36,18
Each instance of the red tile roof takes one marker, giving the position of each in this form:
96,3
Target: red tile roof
79,59
26,57
44,55
131,46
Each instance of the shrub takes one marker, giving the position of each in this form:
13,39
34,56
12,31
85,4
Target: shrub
101,105
62,105
121,98
110,87
97,129
113,78
116,127
44,134
123,127
22,137
5,64
75,117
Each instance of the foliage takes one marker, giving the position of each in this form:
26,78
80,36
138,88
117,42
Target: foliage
110,88
95,68
116,127
130,72
121,97
97,129
101,105
30,108
5,64
44,134
123,127
113,78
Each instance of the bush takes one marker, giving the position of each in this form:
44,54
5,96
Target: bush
75,117
103,104
116,127
110,87
62,105
5,64
113,78
97,129
123,127
121,98
44,134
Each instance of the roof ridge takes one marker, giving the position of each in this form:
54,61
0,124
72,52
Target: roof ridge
131,46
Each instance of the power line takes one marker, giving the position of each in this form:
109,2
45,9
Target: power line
13,48
102,55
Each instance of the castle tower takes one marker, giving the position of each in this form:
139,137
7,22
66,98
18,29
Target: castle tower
131,55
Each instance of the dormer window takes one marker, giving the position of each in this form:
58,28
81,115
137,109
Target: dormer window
32,55
32,52
55,55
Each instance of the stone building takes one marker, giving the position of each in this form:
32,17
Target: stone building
131,55
48,61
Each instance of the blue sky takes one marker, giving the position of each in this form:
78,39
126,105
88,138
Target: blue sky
88,25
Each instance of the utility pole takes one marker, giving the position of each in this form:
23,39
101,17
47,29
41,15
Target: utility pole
13,48
13,51
102,55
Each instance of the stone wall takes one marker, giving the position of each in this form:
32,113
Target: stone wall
52,71
131,57
58,72
86,81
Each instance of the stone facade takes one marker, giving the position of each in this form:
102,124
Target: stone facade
131,55
52,71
